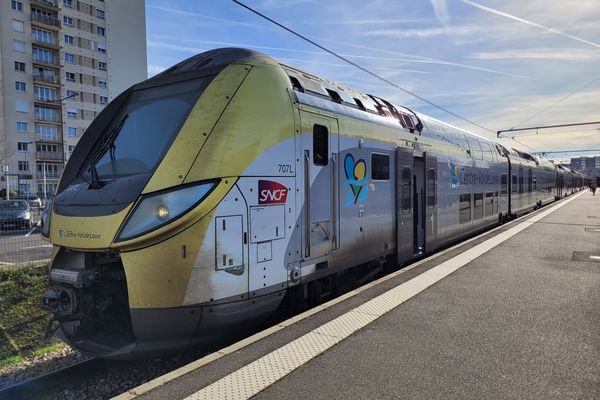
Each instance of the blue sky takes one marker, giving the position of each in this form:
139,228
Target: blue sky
493,62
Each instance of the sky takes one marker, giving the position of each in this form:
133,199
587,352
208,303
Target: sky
501,64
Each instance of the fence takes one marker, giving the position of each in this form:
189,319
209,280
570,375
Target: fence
24,189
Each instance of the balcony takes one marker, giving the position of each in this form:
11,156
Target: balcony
47,139
46,3
51,80
48,175
46,117
48,45
49,155
52,63
45,21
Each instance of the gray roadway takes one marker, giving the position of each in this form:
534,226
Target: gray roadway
522,321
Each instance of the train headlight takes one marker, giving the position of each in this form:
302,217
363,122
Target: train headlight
155,210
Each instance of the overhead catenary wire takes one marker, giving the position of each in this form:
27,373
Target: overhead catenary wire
596,79
362,68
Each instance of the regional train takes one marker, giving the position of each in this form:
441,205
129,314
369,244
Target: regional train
201,200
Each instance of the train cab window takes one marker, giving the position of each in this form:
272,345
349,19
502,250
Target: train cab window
406,190
478,209
380,167
464,208
431,186
503,184
320,145
489,204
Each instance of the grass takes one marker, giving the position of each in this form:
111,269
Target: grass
22,320
10,360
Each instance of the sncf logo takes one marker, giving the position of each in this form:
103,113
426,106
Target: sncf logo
270,192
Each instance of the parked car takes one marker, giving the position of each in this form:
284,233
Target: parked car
32,199
15,214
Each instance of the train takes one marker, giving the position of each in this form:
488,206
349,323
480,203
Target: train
201,201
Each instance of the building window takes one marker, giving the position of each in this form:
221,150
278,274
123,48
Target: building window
72,113
19,46
46,132
23,166
70,76
71,148
101,83
68,21
72,132
21,106
103,99
99,13
17,5
22,146
40,35
20,87
71,94
102,66
69,40
100,30
68,3
43,93
19,66
46,114
21,126
102,48
18,26
45,56
69,58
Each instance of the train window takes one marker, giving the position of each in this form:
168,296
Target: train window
380,167
334,96
489,204
476,152
487,152
530,181
320,145
535,184
503,184
406,185
520,183
360,104
497,202
464,208
431,185
478,209
513,189
296,84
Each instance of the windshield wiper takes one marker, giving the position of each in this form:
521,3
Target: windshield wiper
109,140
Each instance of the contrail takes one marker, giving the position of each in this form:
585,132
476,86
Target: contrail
515,18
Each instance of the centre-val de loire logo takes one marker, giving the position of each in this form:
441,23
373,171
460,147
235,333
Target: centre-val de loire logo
356,177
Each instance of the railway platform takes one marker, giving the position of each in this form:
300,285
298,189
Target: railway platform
513,313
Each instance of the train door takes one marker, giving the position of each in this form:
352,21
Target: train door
419,206
320,171
404,203
430,223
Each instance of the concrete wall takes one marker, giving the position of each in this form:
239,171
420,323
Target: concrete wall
126,44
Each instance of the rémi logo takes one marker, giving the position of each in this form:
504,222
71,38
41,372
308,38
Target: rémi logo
270,192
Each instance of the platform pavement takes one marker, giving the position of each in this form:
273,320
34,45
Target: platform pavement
521,321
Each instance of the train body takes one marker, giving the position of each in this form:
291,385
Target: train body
198,200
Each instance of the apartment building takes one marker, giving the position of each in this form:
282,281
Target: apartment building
61,62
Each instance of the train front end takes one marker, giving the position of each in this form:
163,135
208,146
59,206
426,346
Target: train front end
132,222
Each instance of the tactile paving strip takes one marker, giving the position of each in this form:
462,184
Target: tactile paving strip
262,373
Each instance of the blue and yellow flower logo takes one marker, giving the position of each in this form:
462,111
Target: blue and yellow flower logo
454,176
356,177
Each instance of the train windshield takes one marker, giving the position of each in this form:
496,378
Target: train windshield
142,131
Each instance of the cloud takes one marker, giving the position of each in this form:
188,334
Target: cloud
566,54
440,9
424,33
155,69
527,22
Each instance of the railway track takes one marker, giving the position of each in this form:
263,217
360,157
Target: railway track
47,385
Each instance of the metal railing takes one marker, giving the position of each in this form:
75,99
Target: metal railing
45,19
49,155
46,79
